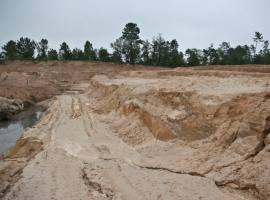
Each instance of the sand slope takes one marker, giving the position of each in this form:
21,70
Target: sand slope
148,134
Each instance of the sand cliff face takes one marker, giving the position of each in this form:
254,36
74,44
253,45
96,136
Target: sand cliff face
147,134
223,123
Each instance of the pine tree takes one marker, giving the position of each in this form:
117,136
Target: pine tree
10,50
25,48
129,43
146,50
65,52
103,55
52,54
42,49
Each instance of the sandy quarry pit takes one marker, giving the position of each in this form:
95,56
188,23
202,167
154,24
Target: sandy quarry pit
141,133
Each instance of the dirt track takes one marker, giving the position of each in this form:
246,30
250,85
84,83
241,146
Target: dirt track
147,134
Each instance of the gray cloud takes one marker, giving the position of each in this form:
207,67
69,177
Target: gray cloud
193,23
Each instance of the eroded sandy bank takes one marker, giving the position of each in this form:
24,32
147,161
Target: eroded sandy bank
147,134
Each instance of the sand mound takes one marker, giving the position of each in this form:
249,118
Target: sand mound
228,129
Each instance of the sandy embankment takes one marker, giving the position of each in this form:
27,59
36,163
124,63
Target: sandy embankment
147,134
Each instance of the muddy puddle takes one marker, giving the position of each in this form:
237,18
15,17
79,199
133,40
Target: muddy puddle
11,130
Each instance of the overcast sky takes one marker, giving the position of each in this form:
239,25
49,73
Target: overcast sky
194,23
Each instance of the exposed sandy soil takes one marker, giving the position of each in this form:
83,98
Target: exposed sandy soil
123,132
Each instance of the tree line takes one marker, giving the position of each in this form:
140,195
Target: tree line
131,49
